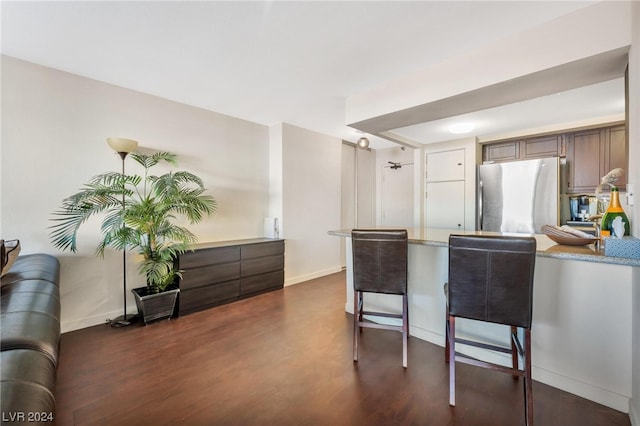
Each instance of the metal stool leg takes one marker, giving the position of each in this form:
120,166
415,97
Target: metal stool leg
452,360
356,315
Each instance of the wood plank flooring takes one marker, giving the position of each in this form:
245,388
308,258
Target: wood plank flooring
284,358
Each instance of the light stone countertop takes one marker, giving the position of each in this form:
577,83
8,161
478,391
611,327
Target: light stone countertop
545,246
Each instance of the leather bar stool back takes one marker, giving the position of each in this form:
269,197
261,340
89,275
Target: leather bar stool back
491,280
379,266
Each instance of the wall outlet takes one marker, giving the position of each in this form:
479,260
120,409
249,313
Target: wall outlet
630,194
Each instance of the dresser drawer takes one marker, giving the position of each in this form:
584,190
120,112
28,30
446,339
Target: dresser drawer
262,282
221,272
205,275
209,256
262,249
261,265
203,297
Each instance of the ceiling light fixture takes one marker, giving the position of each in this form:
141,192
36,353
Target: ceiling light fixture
363,142
461,128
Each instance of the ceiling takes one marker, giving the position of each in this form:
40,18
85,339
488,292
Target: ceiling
568,109
293,62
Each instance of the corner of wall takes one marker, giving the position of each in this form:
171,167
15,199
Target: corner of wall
634,177
275,174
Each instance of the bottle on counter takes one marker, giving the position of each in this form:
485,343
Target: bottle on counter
614,210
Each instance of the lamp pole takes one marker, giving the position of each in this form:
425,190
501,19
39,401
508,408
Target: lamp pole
123,147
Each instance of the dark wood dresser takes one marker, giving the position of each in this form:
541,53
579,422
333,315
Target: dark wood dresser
222,272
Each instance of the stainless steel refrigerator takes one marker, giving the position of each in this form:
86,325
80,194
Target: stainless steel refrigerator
519,196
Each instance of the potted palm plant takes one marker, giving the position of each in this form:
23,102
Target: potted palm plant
140,214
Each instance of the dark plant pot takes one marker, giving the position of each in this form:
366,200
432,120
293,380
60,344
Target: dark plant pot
155,306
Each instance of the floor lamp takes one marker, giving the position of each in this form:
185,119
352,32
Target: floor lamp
123,147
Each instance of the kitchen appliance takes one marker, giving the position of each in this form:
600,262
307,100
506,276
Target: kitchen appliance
581,207
519,196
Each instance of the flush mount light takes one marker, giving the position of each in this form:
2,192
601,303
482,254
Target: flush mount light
461,128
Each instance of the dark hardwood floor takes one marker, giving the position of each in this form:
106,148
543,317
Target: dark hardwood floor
284,358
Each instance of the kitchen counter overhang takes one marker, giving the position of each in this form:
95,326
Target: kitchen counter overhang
545,246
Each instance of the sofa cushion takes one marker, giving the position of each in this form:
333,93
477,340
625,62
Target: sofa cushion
27,387
31,286
30,330
26,365
26,401
34,267
30,296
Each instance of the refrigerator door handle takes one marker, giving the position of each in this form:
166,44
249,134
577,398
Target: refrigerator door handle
480,194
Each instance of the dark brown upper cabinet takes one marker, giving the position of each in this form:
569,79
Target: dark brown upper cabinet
525,149
592,153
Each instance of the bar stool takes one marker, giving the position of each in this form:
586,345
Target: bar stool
379,266
491,280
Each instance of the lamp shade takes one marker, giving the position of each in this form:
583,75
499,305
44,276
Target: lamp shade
363,143
122,145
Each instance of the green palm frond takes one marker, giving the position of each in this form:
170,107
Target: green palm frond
148,161
96,197
139,214
185,192
160,269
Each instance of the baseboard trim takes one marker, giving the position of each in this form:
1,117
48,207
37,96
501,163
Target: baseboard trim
306,277
584,390
103,318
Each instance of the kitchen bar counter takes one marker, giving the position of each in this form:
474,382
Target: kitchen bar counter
582,312
546,247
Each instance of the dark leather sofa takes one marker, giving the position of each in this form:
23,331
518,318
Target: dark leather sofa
30,335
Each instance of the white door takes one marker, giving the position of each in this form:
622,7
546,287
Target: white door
445,205
445,165
397,196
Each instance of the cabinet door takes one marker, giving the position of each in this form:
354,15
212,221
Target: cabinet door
546,146
502,151
583,159
616,153
445,205
445,165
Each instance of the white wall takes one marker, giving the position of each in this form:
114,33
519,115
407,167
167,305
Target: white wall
311,197
54,130
365,170
275,176
348,187
357,190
